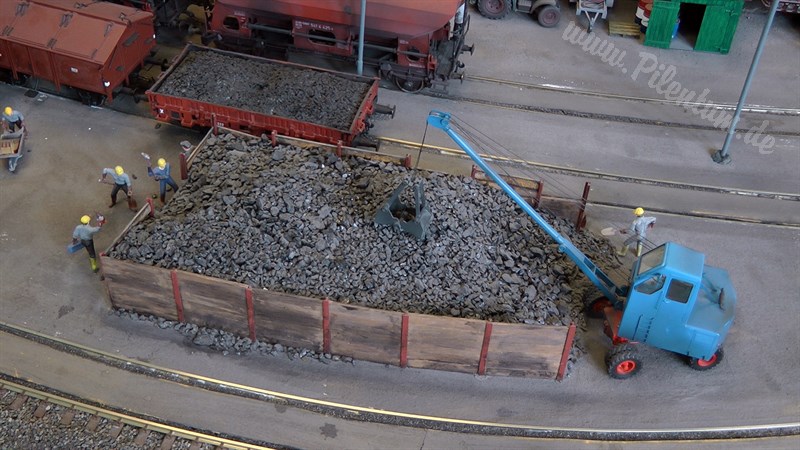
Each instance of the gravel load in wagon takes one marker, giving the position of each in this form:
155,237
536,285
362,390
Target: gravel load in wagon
300,221
264,86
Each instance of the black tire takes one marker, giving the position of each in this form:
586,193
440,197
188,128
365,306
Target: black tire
702,364
494,9
548,16
623,361
594,302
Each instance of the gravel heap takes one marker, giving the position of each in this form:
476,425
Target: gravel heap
300,221
269,87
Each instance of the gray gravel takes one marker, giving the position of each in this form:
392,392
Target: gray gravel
20,430
301,221
272,88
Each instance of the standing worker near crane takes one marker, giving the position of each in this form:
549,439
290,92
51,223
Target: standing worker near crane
638,228
84,233
121,181
13,119
161,174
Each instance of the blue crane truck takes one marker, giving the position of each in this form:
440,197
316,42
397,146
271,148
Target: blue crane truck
672,300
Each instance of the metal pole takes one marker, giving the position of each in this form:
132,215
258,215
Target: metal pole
721,156
360,65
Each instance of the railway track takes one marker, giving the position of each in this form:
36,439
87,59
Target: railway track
752,433
54,413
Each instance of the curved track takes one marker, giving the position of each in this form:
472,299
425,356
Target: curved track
387,417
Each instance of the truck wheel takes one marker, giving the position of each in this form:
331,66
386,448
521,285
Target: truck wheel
494,9
548,16
623,361
595,302
706,364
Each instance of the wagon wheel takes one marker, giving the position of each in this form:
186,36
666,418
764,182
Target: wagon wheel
494,9
706,364
408,85
548,16
595,302
623,361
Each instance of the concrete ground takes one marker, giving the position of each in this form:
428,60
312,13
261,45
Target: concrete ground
43,288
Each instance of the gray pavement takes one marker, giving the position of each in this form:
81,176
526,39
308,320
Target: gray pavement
43,288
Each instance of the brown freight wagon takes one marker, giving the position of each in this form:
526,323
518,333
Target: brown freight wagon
188,109
93,47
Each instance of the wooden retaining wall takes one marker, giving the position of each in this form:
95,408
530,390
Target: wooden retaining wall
389,337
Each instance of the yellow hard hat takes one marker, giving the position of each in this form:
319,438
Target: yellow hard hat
162,163
119,170
638,211
85,220
8,110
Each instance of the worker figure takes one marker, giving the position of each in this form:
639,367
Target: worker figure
638,229
121,181
12,120
161,174
84,233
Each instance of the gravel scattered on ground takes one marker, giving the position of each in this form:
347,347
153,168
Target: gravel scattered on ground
267,87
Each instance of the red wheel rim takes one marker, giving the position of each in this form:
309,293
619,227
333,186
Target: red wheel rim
707,362
494,6
626,367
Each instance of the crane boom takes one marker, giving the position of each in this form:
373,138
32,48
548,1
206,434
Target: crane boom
441,120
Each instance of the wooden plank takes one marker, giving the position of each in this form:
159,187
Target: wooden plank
140,288
289,319
623,28
444,343
366,334
214,303
525,350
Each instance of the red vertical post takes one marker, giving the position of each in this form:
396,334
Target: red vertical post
251,315
326,326
539,190
214,128
339,145
152,206
562,367
404,341
407,162
273,137
487,335
580,221
474,172
184,166
176,293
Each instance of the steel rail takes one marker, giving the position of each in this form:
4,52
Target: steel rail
553,168
763,109
374,415
55,397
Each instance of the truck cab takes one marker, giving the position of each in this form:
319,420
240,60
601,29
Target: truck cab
678,303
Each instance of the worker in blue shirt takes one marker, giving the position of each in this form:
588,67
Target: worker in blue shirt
638,229
161,174
121,181
12,119
84,233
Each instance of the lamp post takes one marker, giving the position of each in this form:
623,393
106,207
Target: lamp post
721,156
360,64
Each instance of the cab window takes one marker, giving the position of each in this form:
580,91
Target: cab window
650,285
679,291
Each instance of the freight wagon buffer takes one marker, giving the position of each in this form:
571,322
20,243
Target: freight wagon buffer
93,47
